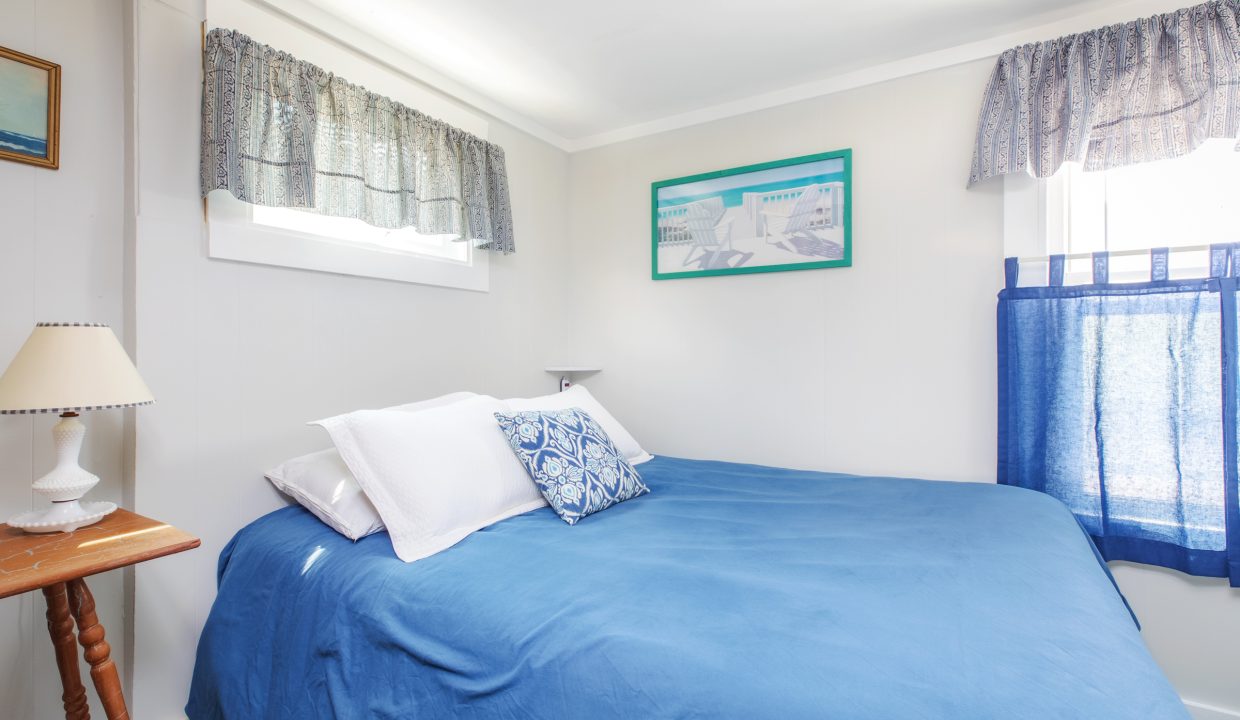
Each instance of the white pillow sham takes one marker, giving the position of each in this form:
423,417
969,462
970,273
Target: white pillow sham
434,476
323,484
577,396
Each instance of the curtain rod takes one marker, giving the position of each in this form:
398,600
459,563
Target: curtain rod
1113,253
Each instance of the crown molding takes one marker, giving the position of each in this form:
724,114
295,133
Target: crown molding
334,28
991,47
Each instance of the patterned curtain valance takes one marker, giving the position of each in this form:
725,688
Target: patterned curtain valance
278,131
1146,90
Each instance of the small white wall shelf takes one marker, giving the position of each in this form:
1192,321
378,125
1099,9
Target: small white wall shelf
566,373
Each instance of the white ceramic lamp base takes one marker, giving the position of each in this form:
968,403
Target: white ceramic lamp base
64,486
62,517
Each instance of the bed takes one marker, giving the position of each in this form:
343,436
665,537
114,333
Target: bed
730,591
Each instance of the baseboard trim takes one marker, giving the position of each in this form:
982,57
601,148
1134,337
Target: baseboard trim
1202,711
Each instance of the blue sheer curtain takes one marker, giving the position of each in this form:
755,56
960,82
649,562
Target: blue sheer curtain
1120,400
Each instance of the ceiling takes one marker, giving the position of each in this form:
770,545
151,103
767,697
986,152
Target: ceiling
584,70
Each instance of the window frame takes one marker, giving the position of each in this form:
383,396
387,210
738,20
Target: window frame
1037,222
233,235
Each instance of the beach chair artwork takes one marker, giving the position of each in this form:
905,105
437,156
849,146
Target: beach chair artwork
792,214
709,232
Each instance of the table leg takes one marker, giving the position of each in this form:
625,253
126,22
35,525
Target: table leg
98,654
60,627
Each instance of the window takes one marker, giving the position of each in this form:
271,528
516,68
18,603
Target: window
1185,202
309,241
347,231
1119,400
297,239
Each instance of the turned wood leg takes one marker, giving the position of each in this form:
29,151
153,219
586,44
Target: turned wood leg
98,654
60,626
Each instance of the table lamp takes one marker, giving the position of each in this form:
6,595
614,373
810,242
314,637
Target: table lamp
68,368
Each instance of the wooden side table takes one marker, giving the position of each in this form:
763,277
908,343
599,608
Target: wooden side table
57,564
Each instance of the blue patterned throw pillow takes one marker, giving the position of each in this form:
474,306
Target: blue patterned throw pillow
572,460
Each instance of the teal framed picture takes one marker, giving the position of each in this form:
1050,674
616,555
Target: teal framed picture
793,214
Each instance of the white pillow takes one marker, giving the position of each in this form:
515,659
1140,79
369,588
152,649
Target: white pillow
435,476
578,396
322,483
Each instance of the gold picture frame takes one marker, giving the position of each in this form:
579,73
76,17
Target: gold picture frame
30,115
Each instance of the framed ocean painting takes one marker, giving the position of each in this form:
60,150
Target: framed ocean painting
793,214
29,109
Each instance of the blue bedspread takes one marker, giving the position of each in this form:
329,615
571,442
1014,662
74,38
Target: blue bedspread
731,591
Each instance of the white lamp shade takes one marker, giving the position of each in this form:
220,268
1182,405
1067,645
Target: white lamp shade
69,367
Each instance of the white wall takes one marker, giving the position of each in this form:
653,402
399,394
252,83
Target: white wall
61,258
884,368
241,356
874,368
